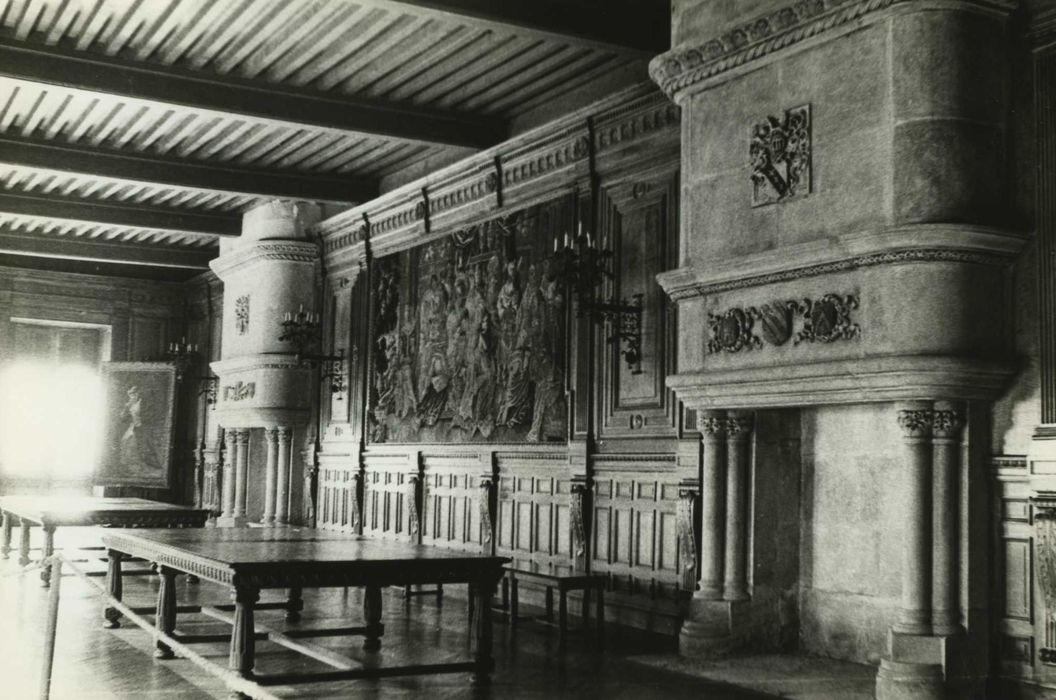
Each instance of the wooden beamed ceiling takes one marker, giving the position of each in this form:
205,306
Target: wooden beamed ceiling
204,105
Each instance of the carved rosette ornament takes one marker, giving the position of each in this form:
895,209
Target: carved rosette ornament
779,157
483,503
916,423
579,533
411,495
731,331
687,549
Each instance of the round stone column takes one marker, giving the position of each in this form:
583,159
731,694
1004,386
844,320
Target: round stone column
738,431
915,419
712,505
946,456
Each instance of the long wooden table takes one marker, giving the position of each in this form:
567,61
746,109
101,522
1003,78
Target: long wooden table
49,513
248,560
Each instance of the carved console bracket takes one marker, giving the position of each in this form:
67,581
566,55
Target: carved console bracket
824,320
779,157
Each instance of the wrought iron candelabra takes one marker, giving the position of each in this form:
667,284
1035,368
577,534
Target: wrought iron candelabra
304,330
185,357
584,266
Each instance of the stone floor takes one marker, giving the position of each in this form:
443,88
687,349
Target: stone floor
93,663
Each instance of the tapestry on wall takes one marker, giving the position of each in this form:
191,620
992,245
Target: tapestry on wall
468,336
138,428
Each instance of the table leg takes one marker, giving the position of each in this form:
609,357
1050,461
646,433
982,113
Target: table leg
562,617
372,617
111,617
586,608
294,605
241,657
192,579
23,542
549,603
45,561
482,638
5,546
599,614
514,600
165,619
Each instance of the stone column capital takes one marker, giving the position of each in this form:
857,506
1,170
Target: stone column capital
947,420
916,421
285,434
712,425
271,435
739,425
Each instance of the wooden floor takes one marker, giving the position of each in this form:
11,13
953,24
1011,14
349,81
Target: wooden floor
94,663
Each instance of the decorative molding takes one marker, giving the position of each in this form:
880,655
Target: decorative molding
684,67
779,155
288,251
240,391
824,320
679,287
242,314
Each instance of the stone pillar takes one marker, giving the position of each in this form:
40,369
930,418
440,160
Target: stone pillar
282,481
228,485
738,431
946,458
241,468
713,505
915,419
271,468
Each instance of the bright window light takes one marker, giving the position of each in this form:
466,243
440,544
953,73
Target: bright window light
50,420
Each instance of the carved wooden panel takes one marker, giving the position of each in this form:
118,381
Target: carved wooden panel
534,515
635,529
389,510
468,335
1021,632
640,220
1018,579
451,502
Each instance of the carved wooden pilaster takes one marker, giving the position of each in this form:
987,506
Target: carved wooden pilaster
687,548
577,504
411,500
484,499
354,495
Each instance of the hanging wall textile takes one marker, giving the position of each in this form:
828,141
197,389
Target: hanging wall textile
468,335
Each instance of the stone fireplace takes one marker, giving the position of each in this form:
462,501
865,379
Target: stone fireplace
264,393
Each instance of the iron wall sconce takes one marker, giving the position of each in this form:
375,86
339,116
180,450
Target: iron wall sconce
304,330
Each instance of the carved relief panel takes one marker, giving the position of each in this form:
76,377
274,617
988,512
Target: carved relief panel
468,335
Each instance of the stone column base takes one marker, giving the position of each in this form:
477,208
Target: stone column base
232,521
711,628
904,680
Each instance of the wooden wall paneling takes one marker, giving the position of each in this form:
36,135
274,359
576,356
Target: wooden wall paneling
338,494
533,514
1020,634
640,219
635,529
387,495
451,498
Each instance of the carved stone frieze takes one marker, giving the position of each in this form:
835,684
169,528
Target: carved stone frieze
798,21
242,314
779,157
823,320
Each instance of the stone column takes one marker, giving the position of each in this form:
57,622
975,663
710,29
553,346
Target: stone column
946,457
282,481
241,465
915,419
712,505
228,485
271,468
738,431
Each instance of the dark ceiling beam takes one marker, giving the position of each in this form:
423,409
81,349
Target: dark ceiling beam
161,170
203,90
56,206
23,244
635,27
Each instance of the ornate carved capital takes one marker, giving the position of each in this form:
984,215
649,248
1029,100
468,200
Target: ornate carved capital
713,424
242,435
739,425
271,435
285,434
916,423
947,423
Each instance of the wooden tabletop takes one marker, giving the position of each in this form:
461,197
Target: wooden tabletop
90,510
288,556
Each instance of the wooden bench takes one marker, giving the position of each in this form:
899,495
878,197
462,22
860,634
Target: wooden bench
589,584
